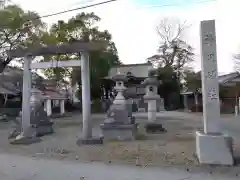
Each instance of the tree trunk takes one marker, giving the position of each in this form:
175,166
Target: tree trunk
2,67
5,99
4,63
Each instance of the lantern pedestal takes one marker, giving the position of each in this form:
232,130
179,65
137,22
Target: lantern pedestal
40,123
154,128
151,97
119,132
29,137
90,141
119,124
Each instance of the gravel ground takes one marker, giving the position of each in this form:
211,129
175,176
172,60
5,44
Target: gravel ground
15,167
174,148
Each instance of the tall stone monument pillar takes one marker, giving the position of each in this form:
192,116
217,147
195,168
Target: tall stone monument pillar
151,97
212,146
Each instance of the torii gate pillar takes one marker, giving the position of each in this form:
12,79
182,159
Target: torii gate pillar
87,137
86,100
27,84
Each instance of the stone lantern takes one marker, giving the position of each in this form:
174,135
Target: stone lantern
151,97
120,79
40,122
118,125
36,98
39,118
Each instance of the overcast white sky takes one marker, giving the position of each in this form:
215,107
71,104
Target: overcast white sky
133,24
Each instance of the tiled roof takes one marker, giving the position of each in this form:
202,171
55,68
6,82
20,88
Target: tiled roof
6,91
11,83
11,79
53,95
227,77
156,56
137,70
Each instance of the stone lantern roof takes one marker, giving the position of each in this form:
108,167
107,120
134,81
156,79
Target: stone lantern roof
120,77
151,80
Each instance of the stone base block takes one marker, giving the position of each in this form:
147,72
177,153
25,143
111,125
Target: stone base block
14,134
39,130
44,130
119,132
56,116
214,149
90,141
154,128
25,140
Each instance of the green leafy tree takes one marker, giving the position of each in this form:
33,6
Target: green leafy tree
18,28
173,51
169,88
193,81
82,27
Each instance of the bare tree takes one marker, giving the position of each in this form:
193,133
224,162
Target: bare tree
236,59
170,29
173,50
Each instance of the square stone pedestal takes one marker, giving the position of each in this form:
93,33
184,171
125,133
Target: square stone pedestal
154,128
90,141
119,132
214,149
23,140
44,128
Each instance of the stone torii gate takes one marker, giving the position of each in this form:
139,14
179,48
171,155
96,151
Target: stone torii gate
76,47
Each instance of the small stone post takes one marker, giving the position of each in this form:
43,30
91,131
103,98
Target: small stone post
238,106
48,107
151,97
212,146
45,105
185,102
62,107
236,110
